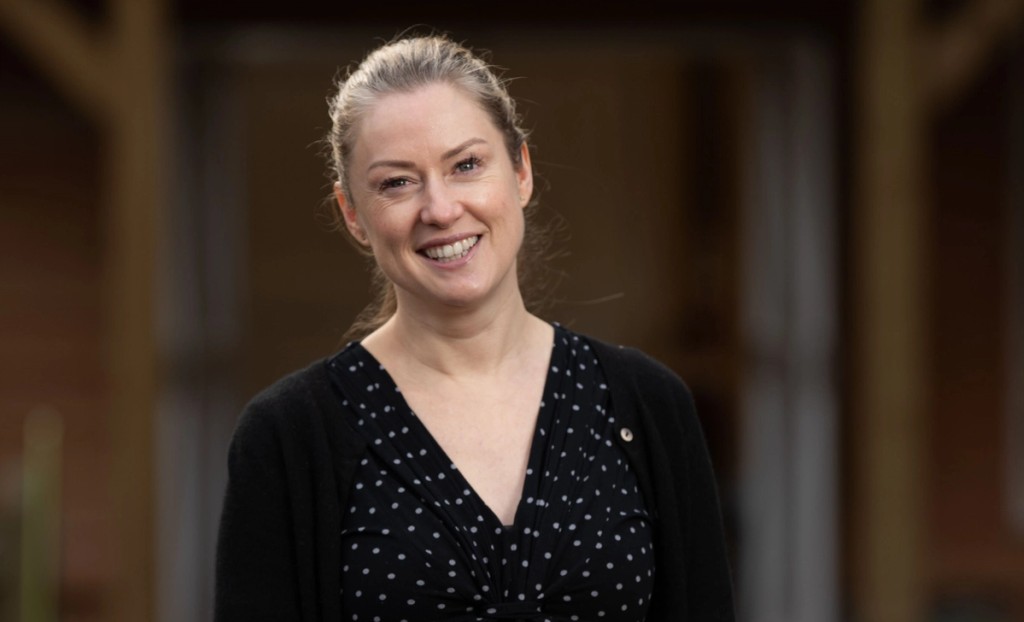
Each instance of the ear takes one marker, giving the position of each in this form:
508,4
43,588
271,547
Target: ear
524,176
348,212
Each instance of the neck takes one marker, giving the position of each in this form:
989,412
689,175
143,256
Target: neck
460,342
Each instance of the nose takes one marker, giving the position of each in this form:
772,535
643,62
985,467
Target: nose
441,205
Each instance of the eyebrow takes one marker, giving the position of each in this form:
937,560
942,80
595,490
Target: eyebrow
447,155
451,153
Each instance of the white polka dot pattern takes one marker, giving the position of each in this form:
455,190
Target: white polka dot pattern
419,544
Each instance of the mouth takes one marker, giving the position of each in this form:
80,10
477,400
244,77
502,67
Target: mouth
445,253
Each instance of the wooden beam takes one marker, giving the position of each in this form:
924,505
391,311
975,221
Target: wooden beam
955,53
889,315
61,42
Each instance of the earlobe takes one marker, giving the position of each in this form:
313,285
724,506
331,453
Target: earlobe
348,214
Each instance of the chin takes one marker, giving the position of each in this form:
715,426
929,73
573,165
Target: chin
460,301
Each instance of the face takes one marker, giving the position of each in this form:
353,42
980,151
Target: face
437,198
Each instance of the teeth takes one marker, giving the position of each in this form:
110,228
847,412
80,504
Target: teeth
450,252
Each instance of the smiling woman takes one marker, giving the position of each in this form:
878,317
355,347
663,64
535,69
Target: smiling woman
463,459
401,68
427,173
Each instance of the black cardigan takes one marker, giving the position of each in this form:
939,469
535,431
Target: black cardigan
293,457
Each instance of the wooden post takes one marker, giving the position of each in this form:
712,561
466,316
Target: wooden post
889,315
136,162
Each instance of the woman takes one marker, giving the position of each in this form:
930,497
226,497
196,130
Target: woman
464,460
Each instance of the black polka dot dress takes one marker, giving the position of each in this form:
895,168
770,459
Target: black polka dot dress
419,544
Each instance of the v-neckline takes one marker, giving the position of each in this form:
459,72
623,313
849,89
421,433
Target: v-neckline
541,422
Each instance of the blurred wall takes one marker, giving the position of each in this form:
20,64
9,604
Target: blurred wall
976,545
51,325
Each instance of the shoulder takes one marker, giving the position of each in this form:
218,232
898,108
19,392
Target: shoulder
645,389
635,368
284,408
297,388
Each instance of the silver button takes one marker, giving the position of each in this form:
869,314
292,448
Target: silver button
626,434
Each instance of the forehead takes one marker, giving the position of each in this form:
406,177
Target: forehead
436,116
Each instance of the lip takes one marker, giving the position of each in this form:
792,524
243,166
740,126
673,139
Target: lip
454,263
451,239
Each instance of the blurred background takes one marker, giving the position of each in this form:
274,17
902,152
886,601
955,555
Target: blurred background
813,211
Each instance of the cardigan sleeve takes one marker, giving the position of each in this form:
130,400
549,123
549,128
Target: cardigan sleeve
709,585
668,401
255,568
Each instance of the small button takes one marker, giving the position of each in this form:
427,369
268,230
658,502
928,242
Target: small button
626,434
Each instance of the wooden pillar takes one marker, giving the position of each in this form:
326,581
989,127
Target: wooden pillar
137,158
119,76
889,316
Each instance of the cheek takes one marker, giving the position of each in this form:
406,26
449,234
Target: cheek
517,224
383,223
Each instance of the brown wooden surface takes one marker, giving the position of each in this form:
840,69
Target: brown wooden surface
137,191
888,297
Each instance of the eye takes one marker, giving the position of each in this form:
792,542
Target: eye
392,182
467,165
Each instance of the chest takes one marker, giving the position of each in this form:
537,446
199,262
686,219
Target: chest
487,431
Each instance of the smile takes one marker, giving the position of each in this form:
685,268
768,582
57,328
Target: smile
451,252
